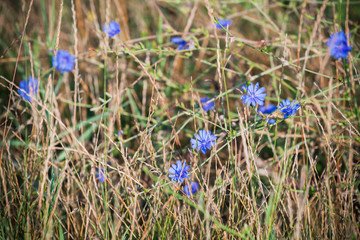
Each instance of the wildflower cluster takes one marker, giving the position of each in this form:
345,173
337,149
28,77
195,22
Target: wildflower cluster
180,171
254,96
204,140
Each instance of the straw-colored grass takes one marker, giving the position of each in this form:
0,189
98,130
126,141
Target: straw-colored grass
296,179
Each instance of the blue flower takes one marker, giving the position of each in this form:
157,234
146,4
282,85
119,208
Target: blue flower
223,22
203,141
28,88
100,175
268,110
288,107
63,61
243,87
114,28
179,171
209,106
254,95
120,132
337,45
271,121
181,42
193,188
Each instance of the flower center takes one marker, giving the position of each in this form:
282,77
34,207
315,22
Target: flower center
64,61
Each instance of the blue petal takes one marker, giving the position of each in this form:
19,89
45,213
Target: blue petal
179,165
203,150
251,87
256,86
177,40
223,22
271,121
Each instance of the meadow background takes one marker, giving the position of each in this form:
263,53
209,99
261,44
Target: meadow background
297,179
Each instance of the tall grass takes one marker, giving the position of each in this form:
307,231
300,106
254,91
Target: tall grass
297,179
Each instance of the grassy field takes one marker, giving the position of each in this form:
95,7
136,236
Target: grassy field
114,138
